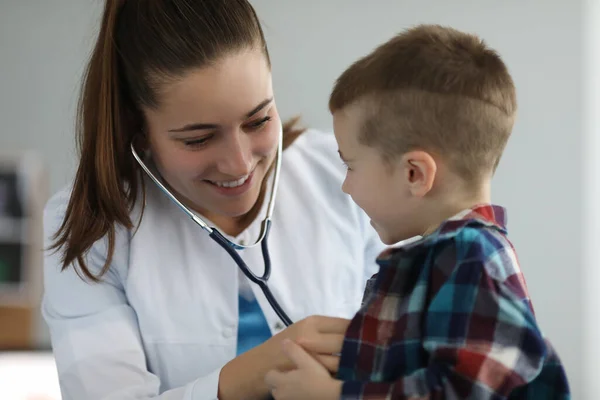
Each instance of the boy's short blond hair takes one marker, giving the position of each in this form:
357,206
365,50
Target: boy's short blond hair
436,89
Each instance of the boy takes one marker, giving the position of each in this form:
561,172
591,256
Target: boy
421,124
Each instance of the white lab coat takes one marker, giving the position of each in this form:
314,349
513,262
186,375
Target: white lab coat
164,321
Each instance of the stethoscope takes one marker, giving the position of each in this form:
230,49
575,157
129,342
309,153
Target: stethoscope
231,247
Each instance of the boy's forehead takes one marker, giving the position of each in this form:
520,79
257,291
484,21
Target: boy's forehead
345,130
349,120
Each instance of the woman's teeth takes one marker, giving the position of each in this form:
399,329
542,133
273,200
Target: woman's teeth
232,184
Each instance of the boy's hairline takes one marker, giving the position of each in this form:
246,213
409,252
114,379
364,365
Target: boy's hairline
368,106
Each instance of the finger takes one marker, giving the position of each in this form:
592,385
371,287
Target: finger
332,363
331,324
273,378
299,356
330,343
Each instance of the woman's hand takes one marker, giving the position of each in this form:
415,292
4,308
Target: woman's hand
322,337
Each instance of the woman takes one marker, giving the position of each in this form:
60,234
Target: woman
140,302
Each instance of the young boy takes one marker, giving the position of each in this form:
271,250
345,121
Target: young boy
421,124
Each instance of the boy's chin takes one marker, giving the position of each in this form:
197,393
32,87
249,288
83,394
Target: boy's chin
389,241
385,236
390,238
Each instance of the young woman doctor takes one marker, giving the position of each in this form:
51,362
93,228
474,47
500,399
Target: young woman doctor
140,302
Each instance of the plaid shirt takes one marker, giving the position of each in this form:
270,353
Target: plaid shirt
449,317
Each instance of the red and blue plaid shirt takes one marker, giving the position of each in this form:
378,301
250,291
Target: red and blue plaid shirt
449,317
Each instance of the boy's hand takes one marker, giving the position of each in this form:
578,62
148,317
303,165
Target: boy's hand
310,379
321,336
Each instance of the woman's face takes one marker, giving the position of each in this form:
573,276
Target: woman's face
215,134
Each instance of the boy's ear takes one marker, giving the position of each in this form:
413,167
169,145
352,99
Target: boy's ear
419,170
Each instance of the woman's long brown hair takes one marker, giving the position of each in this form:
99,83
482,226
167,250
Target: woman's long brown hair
141,44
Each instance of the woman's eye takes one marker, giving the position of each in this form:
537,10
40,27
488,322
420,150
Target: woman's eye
196,142
259,124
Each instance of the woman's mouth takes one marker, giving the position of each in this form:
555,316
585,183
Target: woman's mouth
231,184
235,187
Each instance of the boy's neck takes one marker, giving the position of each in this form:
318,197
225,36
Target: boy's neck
451,204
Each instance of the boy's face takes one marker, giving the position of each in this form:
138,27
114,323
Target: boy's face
381,189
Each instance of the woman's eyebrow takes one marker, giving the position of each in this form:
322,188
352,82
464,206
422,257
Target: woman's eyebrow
204,126
259,107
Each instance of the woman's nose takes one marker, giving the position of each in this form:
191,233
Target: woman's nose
236,157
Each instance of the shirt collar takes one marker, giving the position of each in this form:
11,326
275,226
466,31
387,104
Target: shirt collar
485,214
489,215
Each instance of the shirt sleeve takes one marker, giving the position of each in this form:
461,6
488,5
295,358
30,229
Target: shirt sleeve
480,338
95,334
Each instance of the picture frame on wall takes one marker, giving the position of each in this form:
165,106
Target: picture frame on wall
22,196
23,193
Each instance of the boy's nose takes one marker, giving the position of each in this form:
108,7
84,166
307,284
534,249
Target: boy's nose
345,186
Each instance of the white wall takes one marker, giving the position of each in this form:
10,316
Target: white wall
43,48
44,44
591,190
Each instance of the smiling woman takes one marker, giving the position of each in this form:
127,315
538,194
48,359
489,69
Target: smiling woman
216,162
139,301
